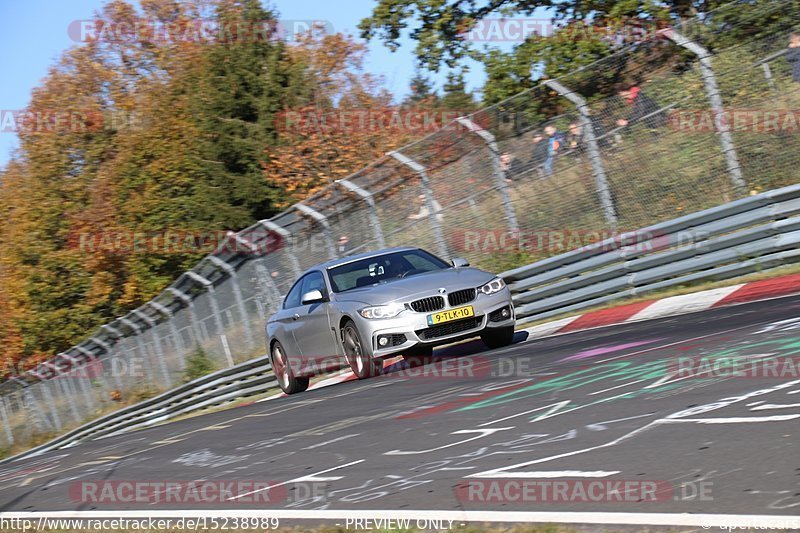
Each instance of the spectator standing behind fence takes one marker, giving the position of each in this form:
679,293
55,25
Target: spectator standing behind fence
511,166
642,108
423,209
539,155
575,140
555,141
793,56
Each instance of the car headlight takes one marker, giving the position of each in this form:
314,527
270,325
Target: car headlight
382,311
496,285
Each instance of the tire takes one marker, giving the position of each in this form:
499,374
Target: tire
497,337
419,356
362,364
283,371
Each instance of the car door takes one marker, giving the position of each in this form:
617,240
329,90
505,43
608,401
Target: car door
287,323
314,337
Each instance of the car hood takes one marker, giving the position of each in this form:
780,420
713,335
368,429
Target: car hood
418,286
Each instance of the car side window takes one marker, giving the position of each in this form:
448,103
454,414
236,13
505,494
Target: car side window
314,282
293,298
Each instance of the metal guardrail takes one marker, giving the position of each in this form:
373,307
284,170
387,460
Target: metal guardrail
240,381
737,238
744,236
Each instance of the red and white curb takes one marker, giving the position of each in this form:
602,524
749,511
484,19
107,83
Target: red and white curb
674,305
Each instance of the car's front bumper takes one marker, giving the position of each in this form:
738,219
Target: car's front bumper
414,326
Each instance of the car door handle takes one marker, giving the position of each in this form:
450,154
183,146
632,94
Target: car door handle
295,316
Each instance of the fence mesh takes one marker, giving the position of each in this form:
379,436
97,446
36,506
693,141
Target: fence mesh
490,188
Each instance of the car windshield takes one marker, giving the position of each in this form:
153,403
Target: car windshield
383,269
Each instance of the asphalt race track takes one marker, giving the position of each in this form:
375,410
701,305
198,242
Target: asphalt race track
464,433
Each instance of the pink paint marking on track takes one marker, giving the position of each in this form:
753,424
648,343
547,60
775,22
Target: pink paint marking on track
607,349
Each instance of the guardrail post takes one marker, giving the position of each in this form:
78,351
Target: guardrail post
237,295
179,347
598,169
438,236
326,227
499,173
6,421
285,235
374,219
714,98
162,363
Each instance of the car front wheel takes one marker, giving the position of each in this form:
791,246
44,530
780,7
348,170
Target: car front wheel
362,364
498,337
283,371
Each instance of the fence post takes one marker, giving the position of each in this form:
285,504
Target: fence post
599,171
162,363
438,236
186,299
284,233
117,335
75,367
140,343
47,395
326,227
31,404
375,221
179,347
714,98
6,421
267,287
66,388
237,295
212,297
499,173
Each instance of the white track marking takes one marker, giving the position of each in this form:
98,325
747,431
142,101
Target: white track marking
481,433
616,387
545,474
553,407
766,406
707,521
337,439
310,477
737,419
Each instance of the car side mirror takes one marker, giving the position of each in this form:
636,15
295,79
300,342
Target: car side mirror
459,262
312,297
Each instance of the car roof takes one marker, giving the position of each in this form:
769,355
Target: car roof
357,257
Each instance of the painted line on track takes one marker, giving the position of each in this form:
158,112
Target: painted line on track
707,521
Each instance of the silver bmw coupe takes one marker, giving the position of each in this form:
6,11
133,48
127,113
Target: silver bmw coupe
361,309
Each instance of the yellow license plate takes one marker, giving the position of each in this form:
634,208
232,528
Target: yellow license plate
450,314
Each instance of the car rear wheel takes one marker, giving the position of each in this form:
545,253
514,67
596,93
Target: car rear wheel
362,364
419,356
498,337
283,371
